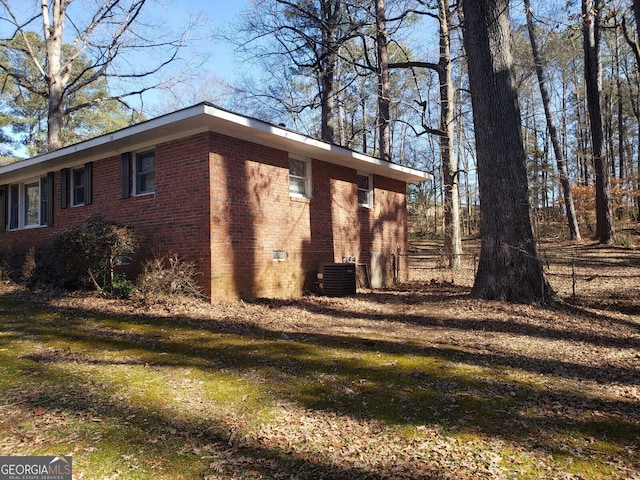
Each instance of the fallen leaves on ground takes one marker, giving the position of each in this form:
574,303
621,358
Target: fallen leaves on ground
475,389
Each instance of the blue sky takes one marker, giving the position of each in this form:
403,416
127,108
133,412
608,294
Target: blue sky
173,15
221,14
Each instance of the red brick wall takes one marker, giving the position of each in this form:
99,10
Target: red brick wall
224,204
253,215
165,222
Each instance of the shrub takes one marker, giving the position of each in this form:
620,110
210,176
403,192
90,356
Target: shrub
86,255
120,287
4,269
622,241
169,276
29,266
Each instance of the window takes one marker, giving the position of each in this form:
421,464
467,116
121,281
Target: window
78,184
299,178
365,191
145,173
30,203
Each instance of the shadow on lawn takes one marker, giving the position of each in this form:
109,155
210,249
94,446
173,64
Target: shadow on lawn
421,295
512,325
397,383
161,437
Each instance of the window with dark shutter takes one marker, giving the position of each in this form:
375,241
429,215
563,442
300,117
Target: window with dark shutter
81,185
145,173
28,204
78,186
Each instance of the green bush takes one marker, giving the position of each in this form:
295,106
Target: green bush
120,287
622,241
86,255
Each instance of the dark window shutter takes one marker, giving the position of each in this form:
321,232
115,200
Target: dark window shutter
3,208
14,205
126,175
64,188
88,190
46,199
49,194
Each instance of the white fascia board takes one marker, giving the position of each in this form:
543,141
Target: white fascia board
199,118
135,137
297,143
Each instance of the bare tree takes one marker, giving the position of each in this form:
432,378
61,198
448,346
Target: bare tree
384,116
509,266
106,36
450,170
445,130
593,78
633,38
636,14
561,162
304,37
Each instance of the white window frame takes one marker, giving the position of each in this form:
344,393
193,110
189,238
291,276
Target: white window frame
369,191
22,207
306,178
74,199
136,173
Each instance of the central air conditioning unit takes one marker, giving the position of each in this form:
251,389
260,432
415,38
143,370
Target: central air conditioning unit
337,279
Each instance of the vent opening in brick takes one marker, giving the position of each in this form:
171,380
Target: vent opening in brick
279,255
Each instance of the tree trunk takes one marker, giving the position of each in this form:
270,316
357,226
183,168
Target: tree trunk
452,236
330,11
561,161
634,99
593,80
55,75
622,164
384,115
327,100
636,15
582,140
633,39
509,266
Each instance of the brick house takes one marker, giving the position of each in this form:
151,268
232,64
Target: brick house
257,207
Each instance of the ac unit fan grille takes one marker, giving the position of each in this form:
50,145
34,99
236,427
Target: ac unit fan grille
339,279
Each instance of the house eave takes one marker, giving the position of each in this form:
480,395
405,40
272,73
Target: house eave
200,118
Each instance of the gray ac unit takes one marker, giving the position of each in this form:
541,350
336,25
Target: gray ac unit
338,279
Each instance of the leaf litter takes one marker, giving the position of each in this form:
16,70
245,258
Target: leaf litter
418,381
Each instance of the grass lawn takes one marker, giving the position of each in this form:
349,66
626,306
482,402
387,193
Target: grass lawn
416,382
